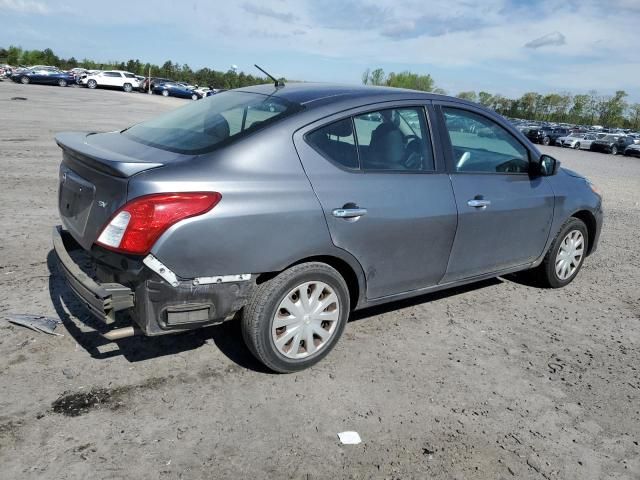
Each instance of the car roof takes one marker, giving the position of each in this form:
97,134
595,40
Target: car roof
312,94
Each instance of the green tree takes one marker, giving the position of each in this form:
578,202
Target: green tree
471,96
485,98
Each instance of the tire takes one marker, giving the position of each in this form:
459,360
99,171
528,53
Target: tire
614,150
194,97
165,93
268,304
25,80
92,84
62,82
127,87
546,141
577,146
547,272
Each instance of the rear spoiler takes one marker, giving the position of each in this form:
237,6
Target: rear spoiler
113,163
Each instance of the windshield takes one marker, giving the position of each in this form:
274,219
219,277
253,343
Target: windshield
610,137
210,123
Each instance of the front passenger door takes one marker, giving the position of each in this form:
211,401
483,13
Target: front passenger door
504,213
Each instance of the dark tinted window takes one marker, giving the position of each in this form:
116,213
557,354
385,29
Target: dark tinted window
129,75
336,142
483,146
111,74
203,126
394,139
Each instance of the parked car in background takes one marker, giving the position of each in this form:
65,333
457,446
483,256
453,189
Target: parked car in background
613,144
289,218
579,141
43,76
174,89
632,150
546,136
126,81
144,86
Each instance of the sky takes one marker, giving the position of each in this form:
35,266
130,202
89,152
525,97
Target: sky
501,46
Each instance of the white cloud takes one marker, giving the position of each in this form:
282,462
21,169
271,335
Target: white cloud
551,39
24,6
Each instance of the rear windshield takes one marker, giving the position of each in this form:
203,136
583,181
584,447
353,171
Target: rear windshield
207,124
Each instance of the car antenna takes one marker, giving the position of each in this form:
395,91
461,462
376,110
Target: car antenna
277,82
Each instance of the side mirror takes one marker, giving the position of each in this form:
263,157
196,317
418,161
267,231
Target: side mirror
548,166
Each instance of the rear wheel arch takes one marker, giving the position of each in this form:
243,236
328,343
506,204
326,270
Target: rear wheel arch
352,275
590,221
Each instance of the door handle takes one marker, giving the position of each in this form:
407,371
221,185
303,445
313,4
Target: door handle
477,203
349,212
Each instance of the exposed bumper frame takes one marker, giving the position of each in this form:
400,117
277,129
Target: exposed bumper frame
104,299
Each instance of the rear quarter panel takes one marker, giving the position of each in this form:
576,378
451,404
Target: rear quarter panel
267,219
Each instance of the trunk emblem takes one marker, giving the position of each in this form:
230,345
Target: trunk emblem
102,203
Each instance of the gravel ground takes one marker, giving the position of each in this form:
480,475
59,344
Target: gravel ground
494,381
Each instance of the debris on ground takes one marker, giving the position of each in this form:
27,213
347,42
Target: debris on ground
37,323
349,438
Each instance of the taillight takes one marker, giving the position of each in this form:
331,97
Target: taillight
136,226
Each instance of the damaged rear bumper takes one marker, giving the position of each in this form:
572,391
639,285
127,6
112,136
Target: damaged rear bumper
158,301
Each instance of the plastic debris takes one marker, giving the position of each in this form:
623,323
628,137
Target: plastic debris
37,323
349,438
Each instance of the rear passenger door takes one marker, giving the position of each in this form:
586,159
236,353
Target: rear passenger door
505,213
384,192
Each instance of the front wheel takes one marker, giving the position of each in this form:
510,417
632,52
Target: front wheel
194,97
127,87
165,93
92,84
577,146
564,259
295,319
546,141
614,150
62,82
24,80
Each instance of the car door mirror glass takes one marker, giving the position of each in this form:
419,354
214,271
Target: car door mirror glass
548,166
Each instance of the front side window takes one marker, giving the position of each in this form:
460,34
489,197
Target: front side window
111,74
203,126
129,75
482,146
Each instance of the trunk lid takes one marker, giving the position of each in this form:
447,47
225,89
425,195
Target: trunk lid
93,179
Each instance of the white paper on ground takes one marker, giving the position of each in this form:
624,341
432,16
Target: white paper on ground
349,438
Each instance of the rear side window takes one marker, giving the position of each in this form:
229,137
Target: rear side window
482,146
111,74
336,142
394,139
203,126
129,75
384,140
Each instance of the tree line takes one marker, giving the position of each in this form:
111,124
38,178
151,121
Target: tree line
204,76
590,108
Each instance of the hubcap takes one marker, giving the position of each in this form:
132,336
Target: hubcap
305,320
570,254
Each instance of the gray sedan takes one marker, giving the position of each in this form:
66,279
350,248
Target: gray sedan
579,141
289,207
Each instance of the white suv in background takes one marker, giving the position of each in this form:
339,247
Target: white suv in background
127,81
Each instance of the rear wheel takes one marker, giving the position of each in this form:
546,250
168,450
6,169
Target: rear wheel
566,255
546,141
577,146
614,150
62,82
24,80
194,97
295,319
127,87
92,84
165,93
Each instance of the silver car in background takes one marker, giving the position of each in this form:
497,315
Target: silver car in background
288,207
579,141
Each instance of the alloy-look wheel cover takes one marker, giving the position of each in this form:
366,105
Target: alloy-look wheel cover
570,254
306,319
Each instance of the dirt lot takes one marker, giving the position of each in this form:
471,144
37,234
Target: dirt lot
499,380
